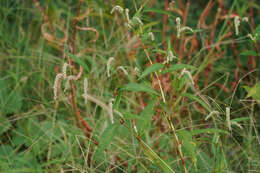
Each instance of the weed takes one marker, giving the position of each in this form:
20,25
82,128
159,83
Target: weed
120,86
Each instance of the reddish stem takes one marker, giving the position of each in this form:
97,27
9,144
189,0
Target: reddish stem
165,18
75,21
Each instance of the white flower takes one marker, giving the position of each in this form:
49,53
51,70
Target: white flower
137,71
253,38
127,14
245,19
58,79
123,69
228,118
117,8
170,56
108,65
186,28
178,21
151,36
111,110
135,128
181,29
64,69
211,114
184,71
85,88
237,23
56,86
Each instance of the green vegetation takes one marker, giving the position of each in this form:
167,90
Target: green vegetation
129,86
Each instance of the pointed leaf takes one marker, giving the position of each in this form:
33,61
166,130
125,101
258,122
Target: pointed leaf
253,91
257,29
105,139
10,101
4,124
188,144
176,67
155,158
146,116
248,53
78,60
194,98
151,68
209,130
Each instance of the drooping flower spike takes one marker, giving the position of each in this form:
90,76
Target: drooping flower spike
117,8
108,65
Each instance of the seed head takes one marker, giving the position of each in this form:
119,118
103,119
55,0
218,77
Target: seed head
138,20
151,36
170,57
111,110
123,69
184,71
108,65
228,118
181,29
127,14
178,21
245,19
253,38
137,71
67,84
117,8
64,69
211,114
56,86
237,23
85,88
186,28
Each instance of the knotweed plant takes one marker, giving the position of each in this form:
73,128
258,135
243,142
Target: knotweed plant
172,110
181,29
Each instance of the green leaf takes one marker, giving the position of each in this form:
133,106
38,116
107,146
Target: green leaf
194,98
146,116
151,68
240,119
253,91
4,124
10,101
155,158
175,67
257,29
130,116
188,144
209,130
77,60
5,151
148,25
105,139
138,88
248,53
159,51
